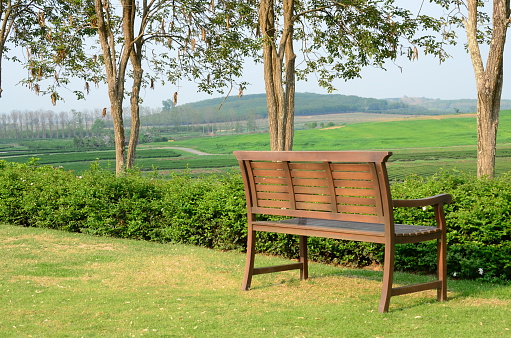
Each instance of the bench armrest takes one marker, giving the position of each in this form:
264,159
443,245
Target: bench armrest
422,202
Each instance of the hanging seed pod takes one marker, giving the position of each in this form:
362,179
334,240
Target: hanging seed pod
240,92
152,84
415,54
208,79
175,99
203,33
212,5
103,113
36,88
61,54
41,19
56,76
193,44
54,98
163,26
87,87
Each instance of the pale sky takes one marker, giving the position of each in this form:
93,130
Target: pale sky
425,77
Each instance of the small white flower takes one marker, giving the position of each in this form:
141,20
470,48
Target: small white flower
79,177
454,274
424,208
32,183
480,270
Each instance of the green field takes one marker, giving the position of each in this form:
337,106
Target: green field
420,145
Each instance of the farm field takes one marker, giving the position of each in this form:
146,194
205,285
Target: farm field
421,145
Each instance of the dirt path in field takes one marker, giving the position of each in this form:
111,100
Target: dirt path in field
190,150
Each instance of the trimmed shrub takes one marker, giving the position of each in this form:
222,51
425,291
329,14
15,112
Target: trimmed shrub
210,211
478,225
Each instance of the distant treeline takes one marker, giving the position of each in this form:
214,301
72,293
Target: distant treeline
208,116
252,107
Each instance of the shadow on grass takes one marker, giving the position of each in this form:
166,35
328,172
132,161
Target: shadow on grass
472,291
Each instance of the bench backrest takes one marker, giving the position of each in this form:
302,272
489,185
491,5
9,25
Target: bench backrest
337,185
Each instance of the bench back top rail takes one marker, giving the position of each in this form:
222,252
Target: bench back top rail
337,185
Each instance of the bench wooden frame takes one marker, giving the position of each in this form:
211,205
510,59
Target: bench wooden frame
335,194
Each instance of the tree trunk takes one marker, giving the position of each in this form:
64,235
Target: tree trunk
135,107
279,94
120,154
489,81
115,67
290,75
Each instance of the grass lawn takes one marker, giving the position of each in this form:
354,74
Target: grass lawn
58,284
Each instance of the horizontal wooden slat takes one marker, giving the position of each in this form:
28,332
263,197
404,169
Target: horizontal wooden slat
312,190
354,184
351,175
309,174
271,187
313,206
357,209
268,173
270,180
313,198
355,192
319,156
350,167
306,166
356,200
273,195
317,214
266,165
274,204
310,182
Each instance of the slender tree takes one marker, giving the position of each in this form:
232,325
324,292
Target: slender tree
489,79
337,39
484,22
199,40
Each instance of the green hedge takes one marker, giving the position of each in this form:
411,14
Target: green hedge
210,212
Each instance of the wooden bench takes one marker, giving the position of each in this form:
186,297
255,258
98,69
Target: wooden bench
335,194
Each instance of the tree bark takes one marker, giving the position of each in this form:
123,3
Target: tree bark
290,74
489,81
136,62
279,93
115,67
135,107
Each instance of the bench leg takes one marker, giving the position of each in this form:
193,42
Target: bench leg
388,277
304,271
442,268
249,265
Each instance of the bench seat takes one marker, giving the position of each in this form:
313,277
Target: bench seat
367,232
